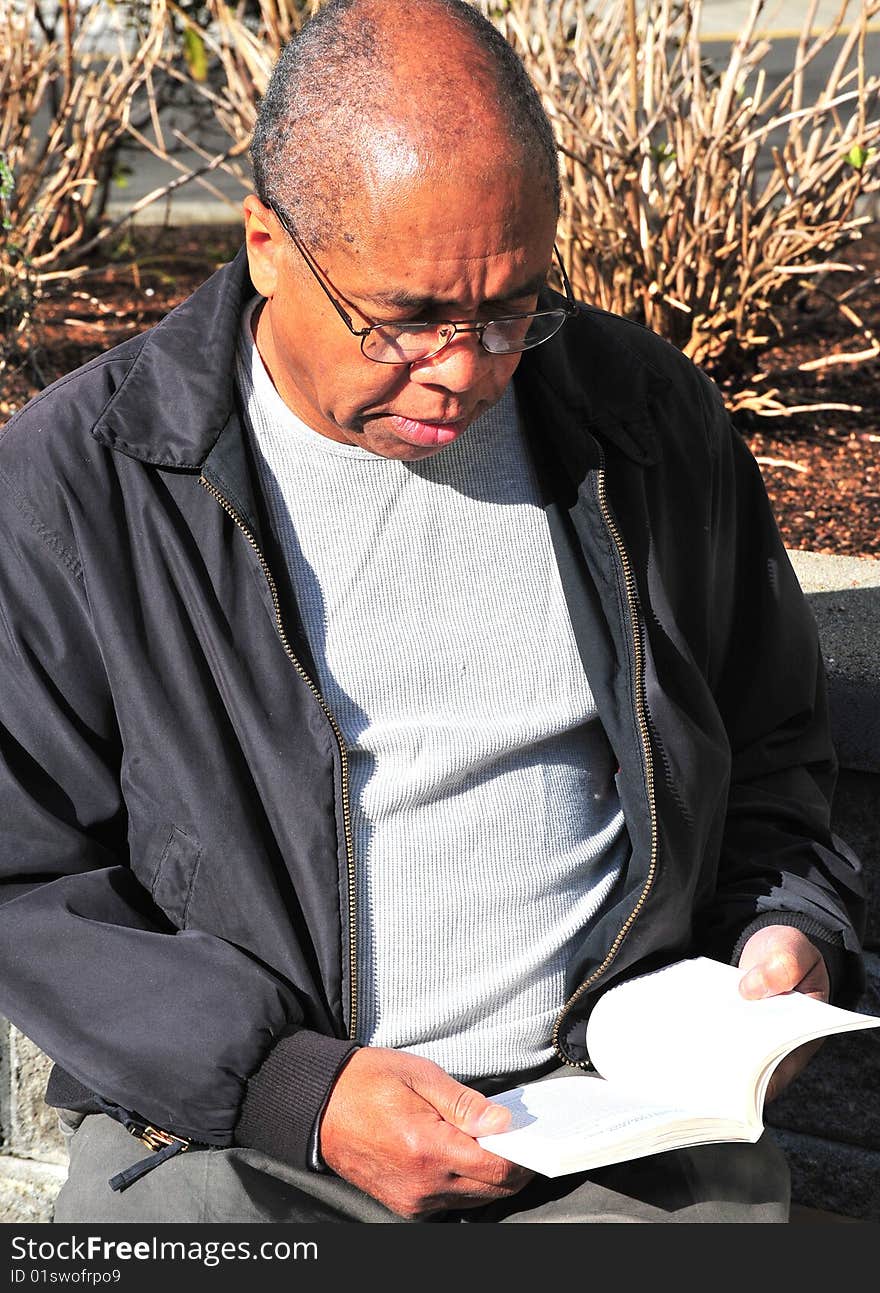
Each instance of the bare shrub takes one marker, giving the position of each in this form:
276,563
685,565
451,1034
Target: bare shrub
701,202
64,105
238,47
704,202
708,203
69,73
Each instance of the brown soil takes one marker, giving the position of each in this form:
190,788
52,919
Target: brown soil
821,466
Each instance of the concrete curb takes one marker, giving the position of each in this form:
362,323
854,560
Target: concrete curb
844,595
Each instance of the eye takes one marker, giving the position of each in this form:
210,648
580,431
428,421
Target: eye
515,305
403,318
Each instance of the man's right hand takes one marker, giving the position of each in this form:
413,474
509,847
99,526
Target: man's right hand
401,1129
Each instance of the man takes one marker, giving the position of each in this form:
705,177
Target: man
397,655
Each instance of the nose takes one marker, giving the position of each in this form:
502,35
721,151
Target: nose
459,366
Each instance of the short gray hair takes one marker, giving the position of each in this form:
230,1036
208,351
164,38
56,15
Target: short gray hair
338,64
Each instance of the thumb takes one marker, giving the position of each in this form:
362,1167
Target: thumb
469,1110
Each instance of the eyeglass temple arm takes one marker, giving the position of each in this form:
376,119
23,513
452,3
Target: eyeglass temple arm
362,332
316,273
346,318
569,294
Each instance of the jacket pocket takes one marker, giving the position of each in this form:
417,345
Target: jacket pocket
175,875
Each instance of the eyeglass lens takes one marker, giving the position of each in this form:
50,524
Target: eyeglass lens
391,343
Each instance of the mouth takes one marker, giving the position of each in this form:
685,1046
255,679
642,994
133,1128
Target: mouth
427,434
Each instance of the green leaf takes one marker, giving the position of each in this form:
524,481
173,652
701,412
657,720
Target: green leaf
663,153
857,156
195,53
7,179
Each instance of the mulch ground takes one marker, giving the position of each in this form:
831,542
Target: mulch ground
821,466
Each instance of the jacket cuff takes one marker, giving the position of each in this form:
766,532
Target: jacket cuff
844,976
285,1098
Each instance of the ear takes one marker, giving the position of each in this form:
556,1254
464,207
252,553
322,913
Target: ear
266,245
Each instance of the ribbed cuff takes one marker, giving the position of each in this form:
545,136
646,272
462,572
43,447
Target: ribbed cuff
285,1097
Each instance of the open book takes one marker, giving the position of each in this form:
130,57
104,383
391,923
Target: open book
681,1059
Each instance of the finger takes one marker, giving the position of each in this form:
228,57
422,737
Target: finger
469,1193
478,1183
469,1161
770,979
502,1176
780,971
784,969
452,1171
466,1109
458,1194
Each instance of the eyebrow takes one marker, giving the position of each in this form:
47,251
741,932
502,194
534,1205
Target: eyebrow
401,299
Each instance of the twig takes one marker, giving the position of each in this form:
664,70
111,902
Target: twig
789,410
153,196
853,357
782,462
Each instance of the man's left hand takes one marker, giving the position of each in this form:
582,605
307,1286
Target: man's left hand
779,958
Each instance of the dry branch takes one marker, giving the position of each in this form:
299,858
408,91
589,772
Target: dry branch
695,200
54,176
699,204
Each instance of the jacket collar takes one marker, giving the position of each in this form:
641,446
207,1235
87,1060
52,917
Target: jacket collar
184,367
586,379
592,380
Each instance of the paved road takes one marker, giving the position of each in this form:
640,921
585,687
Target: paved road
722,21
726,18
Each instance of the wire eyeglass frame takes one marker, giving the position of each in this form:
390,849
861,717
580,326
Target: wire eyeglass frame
444,329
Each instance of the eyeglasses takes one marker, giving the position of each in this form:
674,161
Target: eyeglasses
411,341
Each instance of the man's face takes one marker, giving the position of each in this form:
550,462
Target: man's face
453,252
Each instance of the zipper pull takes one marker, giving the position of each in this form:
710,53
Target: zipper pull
170,1146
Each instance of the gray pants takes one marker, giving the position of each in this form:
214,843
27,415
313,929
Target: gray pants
709,1183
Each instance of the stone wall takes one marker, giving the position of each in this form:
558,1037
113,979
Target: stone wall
828,1122
33,1164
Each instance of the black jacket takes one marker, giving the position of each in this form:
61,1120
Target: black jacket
178,924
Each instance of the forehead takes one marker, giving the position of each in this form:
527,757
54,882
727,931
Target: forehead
451,239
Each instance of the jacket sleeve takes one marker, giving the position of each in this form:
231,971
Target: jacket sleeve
780,861
177,1026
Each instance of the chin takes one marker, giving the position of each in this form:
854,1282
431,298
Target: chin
402,451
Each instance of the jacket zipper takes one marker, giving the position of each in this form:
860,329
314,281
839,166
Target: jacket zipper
164,1145
641,712
343,753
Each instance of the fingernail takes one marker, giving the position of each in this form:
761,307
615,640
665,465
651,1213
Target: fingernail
494,1118
753,985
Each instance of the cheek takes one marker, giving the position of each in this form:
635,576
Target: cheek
330,369
350,384
498,377
507,368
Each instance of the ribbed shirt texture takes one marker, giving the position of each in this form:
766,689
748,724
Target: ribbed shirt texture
486,822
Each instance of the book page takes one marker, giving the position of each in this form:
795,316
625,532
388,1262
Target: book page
574,1121
577,1104
684,1060
685,1033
